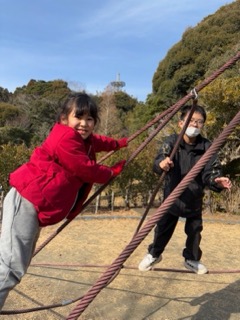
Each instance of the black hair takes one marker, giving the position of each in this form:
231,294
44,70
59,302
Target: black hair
82,103
185,109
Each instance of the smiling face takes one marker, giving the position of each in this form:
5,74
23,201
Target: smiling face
80,112
83,124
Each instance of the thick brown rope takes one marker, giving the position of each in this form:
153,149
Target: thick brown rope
118,263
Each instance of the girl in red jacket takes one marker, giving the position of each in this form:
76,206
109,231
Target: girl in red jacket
52,185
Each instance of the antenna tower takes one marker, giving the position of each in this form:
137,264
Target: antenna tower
118,84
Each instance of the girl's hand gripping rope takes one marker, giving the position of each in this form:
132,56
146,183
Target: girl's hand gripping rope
117,168
122,143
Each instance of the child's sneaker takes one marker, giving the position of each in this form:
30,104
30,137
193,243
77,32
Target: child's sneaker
148,261
195,266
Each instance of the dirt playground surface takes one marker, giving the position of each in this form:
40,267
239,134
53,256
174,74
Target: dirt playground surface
79,255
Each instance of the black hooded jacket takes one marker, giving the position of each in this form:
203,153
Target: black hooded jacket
190,201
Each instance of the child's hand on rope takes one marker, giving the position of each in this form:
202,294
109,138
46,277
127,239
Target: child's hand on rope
122,143
166,164
117,168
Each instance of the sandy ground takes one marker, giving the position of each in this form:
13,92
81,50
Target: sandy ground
160,294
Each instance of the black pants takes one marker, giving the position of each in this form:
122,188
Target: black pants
164,231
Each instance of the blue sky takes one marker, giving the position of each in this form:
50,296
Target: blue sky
89,42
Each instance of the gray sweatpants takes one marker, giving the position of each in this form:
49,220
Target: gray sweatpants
20,231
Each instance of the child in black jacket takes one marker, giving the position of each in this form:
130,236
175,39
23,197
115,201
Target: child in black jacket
189,204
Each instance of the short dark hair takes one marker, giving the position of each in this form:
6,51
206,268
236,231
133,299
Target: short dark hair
82,103
185,109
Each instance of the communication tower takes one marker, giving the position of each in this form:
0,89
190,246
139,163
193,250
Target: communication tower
118,84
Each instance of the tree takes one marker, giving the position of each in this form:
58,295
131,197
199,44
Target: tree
54,90
8,112
111,124
124,102
11,156
222,98
4,95
14,135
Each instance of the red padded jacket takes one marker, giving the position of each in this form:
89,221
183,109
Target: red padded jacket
60,173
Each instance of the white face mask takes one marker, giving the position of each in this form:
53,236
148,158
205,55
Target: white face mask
192,132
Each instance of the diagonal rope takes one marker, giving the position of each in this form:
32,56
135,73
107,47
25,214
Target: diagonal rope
173,109
104,278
